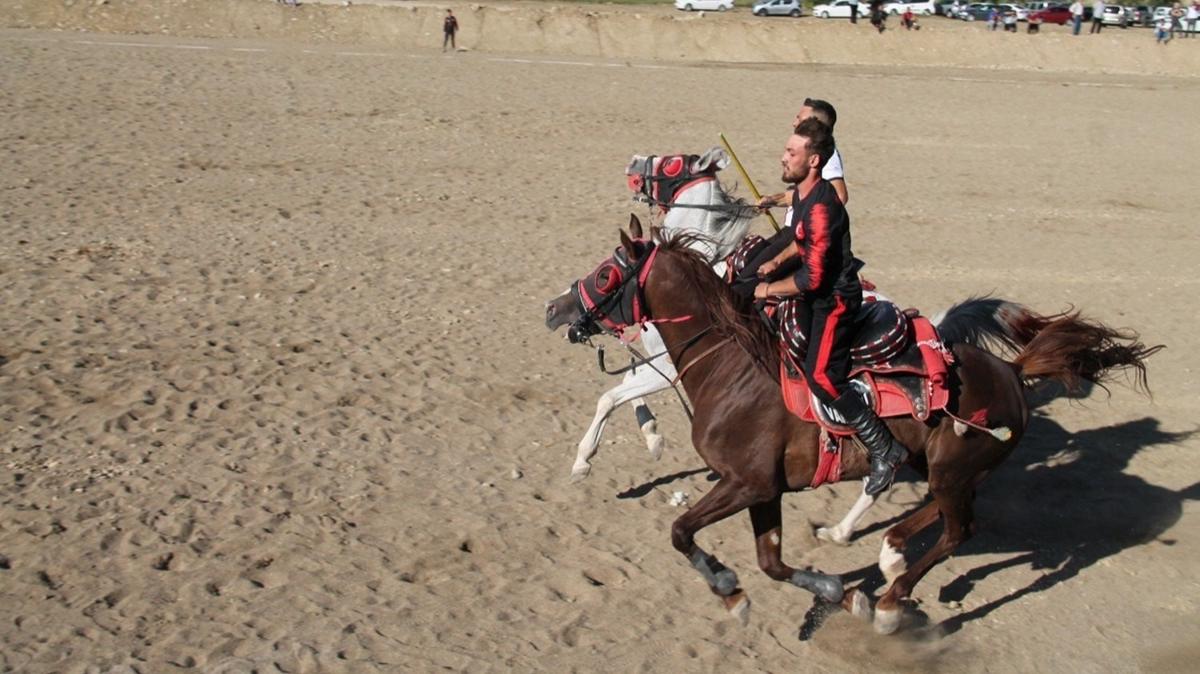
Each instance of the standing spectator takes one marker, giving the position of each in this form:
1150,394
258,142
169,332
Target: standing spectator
955,8
449,29
906,19
1097,17
1010,21
853,11
1192,17
993,18
1035,23
878,16
1162,30
1176,15
1076,16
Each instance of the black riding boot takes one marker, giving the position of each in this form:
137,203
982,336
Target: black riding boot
885,452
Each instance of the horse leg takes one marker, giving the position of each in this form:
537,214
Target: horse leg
653,344
725,499
891,552
767,519
954,503
637,384
649,426
841,533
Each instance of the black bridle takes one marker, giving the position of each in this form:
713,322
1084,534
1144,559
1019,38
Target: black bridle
665,178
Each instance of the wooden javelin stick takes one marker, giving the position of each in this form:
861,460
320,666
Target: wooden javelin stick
746,176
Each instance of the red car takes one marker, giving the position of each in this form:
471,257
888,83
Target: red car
1059,15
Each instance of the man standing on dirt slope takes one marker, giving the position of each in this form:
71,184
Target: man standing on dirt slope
449,28
1097,17
1076,16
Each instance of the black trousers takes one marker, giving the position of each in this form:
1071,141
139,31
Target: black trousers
828,323
853,13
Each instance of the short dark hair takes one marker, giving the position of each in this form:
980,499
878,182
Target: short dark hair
823,111
819,136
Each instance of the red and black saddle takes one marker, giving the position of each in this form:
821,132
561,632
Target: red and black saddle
911,380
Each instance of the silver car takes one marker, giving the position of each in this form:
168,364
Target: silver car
777,8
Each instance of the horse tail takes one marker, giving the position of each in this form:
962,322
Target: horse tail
1070,349
990,323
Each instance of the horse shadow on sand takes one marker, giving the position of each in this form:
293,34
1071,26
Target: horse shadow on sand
1061,503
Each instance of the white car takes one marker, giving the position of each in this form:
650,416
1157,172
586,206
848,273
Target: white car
918,7
704,5
838,9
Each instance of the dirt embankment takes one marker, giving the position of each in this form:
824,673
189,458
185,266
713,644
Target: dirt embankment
652,32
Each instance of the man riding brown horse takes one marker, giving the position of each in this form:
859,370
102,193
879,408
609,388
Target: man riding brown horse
809,267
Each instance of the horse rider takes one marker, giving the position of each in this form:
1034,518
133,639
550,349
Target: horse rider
834,172
818,273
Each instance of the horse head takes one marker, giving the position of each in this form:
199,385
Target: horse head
610,297
691,198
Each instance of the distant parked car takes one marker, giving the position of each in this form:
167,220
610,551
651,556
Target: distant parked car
1143,15
1020,11
1114,15
704,5
918,7
777,8
977,11
1057,14
838,9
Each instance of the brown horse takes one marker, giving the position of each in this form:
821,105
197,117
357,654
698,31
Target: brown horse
743,431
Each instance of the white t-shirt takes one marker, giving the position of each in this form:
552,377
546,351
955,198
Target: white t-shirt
1193,13
833,168
1077,9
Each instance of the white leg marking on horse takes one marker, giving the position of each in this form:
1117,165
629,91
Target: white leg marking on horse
891,562
841,533
960,429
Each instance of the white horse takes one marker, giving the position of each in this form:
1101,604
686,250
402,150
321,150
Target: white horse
685,189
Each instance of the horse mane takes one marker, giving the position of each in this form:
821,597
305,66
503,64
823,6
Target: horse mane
731,315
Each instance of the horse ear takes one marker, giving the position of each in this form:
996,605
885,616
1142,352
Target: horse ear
716,157
630,250
635,227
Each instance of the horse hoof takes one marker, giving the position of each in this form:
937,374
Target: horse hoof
579,473
858,604
738,605
832,535
654,443
887,621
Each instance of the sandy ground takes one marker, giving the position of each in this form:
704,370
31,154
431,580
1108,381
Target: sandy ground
275,392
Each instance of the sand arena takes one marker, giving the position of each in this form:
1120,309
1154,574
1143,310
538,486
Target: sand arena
275,391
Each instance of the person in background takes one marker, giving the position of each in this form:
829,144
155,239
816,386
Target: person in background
1176,14
853,11
906,19
1162,30
1035,23
1010,21
1192,17
1097,17
449,30
1076,16
993,18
